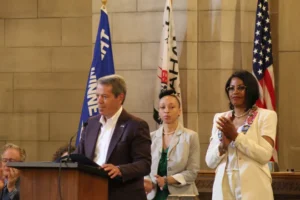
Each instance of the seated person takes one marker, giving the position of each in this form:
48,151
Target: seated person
1,177
175,154
62,151
11,189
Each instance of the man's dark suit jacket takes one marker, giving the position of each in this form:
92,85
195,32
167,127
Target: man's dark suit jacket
130,149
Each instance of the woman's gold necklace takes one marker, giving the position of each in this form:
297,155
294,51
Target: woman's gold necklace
242,115
168,133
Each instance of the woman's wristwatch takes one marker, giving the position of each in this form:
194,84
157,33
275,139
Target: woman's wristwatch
166,180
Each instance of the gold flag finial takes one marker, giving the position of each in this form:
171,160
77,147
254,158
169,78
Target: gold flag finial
104,2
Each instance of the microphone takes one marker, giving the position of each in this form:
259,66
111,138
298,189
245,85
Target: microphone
70,143
69,149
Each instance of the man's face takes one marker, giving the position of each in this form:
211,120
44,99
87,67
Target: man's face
10,155
107,102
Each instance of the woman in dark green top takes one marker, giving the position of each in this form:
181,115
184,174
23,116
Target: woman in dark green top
162,171
175,153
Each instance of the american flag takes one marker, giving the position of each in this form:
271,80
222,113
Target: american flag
263,60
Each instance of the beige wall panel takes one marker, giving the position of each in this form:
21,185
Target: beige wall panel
137,27
211,84
219,55
6,92
150,53
6,103
288,111
1,32
127,56
294,132
244,5
288,84
293,158
6,81
63,126
187,52
247,56
191,121
95,24
158,5
187,55
27,126
209,5
72,59
231,55
35,32
48,101
148,117
18,9
209,55
273,6
237,26
76,31
203,150
275,37
289,32
2,143
209,24
25,59
140,89
39,151
185,25
247,26
115,6
206,123
64,8
49,81
189,88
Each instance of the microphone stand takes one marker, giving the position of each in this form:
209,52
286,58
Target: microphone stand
69,149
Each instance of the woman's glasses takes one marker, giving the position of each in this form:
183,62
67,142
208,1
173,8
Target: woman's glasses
239,88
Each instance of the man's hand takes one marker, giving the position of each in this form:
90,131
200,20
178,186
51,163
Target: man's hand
12,178
148,185
112,170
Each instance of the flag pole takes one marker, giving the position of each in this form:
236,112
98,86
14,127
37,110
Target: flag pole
105,1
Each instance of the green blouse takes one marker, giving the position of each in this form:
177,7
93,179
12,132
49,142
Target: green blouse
162,171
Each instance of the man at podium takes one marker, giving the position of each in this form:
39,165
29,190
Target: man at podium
117,141
11,189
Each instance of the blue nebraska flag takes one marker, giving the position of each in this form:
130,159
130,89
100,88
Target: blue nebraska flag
102,65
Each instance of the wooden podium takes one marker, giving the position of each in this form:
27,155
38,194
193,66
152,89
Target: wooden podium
73,181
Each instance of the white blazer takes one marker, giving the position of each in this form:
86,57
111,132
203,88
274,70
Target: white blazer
183,160
253,154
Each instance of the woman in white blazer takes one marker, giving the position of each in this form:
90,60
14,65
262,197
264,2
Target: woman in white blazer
175,154
242,143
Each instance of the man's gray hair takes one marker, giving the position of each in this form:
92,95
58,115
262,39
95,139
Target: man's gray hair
13,146
117,82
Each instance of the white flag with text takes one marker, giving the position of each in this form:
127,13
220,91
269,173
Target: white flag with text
167,76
